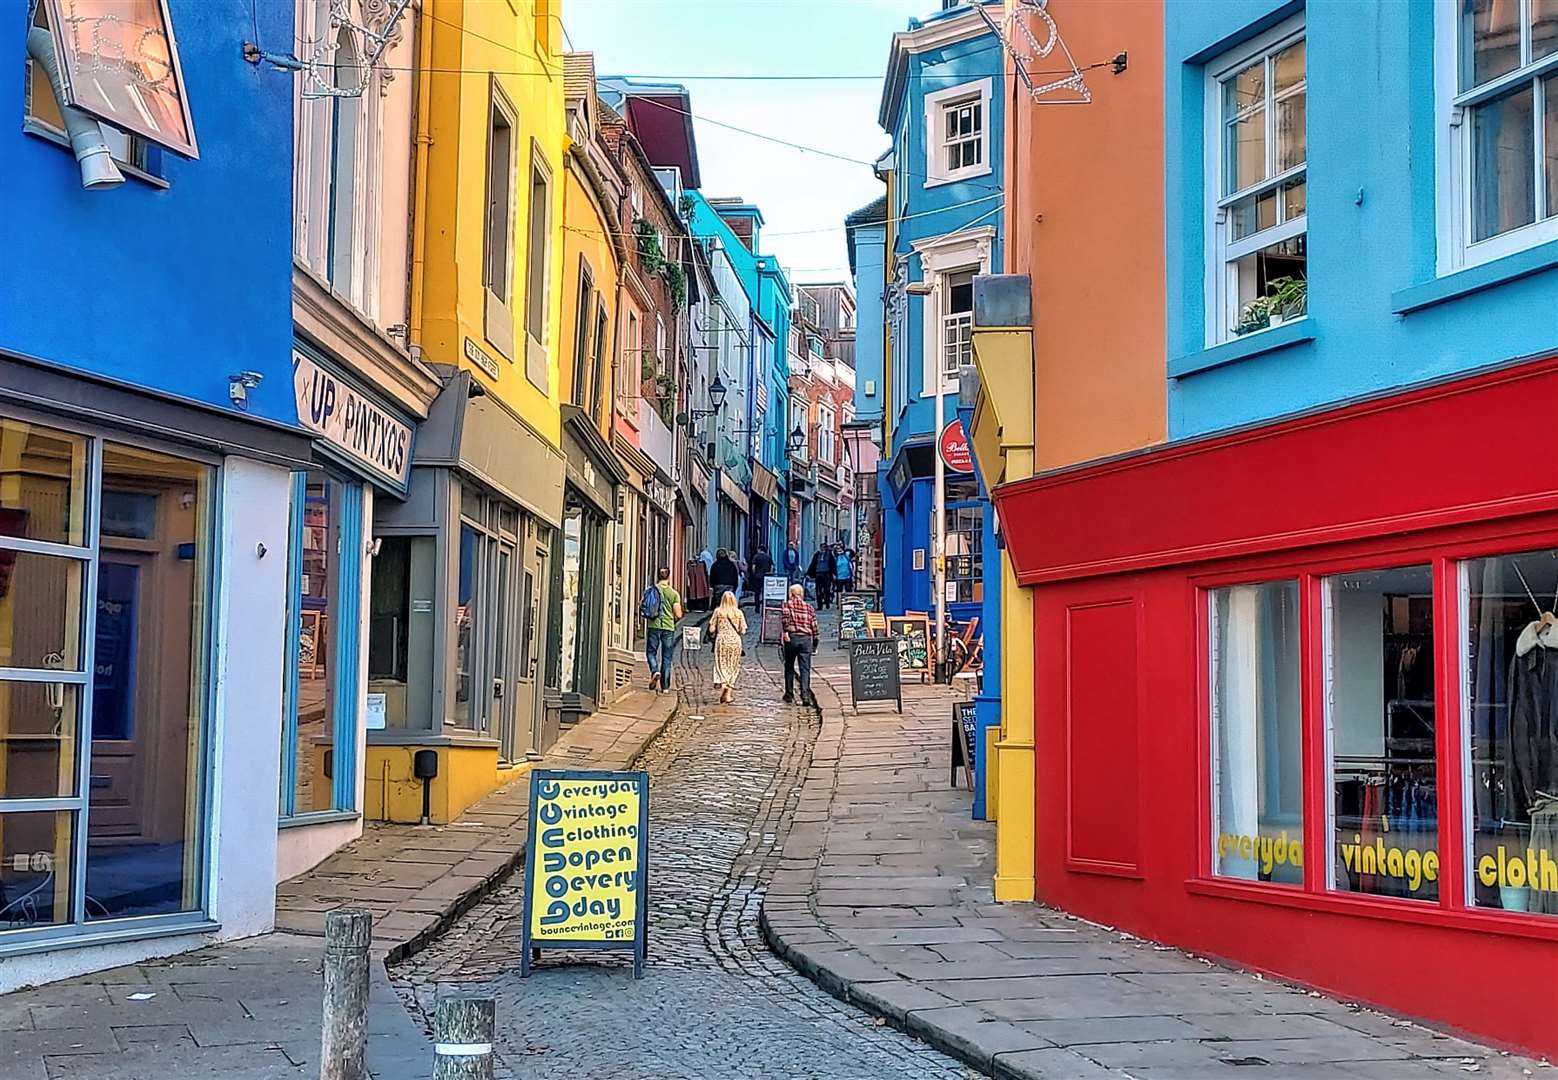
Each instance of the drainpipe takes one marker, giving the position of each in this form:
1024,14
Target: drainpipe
423,141
98,170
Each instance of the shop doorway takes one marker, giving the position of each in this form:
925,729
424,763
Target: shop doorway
533,600
503,697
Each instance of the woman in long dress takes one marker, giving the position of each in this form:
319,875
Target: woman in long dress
728,625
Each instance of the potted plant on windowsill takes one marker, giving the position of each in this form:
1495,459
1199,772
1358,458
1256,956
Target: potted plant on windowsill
1286,299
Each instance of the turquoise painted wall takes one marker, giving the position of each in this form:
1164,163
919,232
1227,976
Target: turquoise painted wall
1372,135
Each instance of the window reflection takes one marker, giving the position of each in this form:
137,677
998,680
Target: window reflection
1258,761
318,618
148,692
1381,715
42,485
35,886
1512,731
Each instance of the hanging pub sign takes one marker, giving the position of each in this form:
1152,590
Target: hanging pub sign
353,424
873,672
586,864
954,449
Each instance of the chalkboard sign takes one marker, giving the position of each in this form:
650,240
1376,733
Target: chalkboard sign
873,672
586,864
964,737
855,610
775,588
852,617
913,633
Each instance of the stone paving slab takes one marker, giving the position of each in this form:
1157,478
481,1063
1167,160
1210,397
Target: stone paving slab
251,1010
884,899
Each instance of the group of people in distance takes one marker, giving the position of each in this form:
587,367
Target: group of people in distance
832,570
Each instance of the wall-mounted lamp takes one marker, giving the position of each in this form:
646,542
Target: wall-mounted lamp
239,385
919,288
797,441
716,394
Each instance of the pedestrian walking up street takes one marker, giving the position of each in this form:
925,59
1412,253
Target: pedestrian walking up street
801,639
821,571
844,572
662,608
724,577
727,626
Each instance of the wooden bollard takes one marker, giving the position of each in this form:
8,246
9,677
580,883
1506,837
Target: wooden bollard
343,1050
463,1029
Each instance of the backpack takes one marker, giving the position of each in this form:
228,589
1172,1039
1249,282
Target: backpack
649,606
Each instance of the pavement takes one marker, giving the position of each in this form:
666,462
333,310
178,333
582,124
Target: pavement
252,1009
714,1002
883,896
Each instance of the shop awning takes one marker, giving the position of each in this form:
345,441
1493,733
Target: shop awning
484,437
75,394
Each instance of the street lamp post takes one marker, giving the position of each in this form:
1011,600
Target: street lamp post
939,487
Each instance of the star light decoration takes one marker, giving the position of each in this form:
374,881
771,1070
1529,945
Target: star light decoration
1024,46
378,28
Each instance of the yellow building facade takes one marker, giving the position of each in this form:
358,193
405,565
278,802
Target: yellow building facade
485,509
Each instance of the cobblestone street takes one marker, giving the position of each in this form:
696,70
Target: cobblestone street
714,1001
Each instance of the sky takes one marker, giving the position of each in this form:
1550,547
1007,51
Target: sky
805,195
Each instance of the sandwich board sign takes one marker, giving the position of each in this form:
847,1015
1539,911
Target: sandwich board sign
586,864
874,672
775,588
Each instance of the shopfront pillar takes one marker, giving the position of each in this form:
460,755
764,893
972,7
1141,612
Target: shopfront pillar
1002,441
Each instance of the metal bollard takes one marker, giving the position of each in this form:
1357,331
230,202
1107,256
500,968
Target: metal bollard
462,1038
343,1050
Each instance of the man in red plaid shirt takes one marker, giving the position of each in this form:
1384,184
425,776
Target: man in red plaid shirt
799,620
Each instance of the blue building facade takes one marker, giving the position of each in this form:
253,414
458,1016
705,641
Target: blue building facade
942,103
1431,255
760,431
148,433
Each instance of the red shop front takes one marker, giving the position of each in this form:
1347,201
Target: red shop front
1296,697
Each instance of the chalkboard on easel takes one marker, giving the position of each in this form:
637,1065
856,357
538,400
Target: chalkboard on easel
964,736
873,672
913,632
855,610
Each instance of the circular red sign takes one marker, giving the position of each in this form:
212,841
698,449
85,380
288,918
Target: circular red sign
954,448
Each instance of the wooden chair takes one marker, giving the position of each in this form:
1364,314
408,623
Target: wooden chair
876,624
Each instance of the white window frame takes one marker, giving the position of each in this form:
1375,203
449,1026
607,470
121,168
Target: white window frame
936,172
941,257
498,311
825,433
315,119
1221,290
1453,149
799,418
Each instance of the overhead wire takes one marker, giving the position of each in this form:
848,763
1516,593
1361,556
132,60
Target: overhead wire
630,234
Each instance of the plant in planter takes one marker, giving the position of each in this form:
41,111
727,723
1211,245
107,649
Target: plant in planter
1289,298
1285,298
649,252
676,281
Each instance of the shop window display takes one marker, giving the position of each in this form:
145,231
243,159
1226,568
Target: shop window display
108,688
1380,711
311,742
1257,733
1511,720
